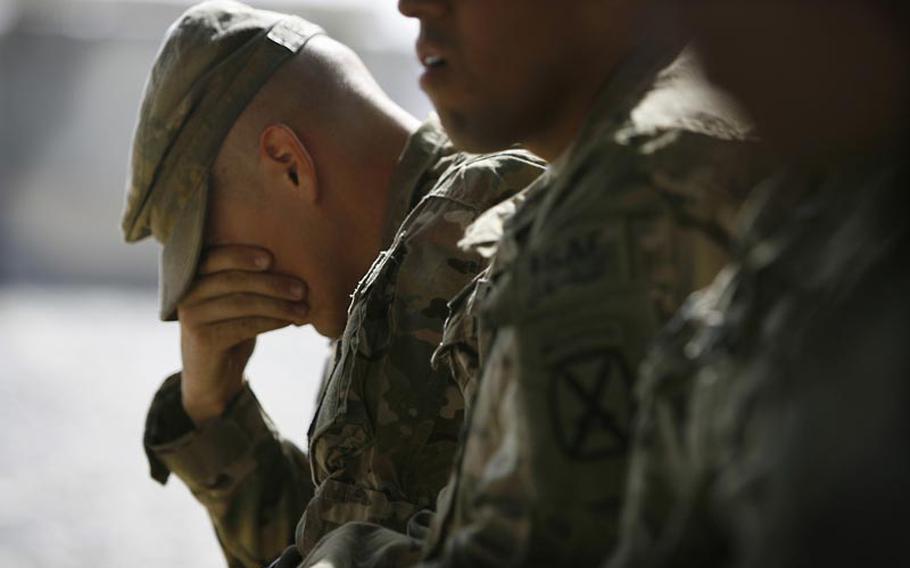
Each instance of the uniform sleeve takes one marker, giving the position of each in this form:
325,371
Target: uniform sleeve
650,507
253,484
368,545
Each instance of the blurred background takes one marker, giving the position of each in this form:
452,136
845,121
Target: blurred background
81,349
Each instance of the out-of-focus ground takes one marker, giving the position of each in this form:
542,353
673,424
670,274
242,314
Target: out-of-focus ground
79,366
81,350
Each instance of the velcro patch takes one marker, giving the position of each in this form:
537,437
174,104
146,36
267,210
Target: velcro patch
591,404
576,260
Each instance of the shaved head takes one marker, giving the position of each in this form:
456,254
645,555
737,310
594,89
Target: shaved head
326,95
305,171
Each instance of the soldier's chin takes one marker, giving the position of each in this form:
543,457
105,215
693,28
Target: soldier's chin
474,134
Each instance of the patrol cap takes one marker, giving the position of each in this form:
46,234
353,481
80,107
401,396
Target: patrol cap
213,61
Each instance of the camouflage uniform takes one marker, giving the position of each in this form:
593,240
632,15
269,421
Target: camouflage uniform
774,421
459,352
605,246
386,427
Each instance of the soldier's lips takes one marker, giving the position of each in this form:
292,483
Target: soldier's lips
429,51
434,62
431,61
434,75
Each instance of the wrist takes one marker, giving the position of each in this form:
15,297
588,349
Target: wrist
207,406
202,413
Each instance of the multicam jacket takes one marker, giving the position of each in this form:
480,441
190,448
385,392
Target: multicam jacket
386,426
459,352
775,408
605,246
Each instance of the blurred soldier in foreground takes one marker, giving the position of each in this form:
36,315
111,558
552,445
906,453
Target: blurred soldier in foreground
273,170
775,409
647,165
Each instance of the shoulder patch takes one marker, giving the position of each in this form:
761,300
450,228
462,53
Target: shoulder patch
576,260
590,404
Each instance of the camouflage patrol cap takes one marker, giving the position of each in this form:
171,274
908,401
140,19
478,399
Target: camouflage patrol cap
213,61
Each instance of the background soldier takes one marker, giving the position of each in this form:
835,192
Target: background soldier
775,408
273,169
647,165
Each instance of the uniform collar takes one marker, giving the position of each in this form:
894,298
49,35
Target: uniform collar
620,93
422,151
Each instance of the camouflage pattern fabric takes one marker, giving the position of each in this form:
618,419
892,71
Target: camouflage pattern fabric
387,424
459,353
774,409
579,286
463,342
605,246
385,431
253,484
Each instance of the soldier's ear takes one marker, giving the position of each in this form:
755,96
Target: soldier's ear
287,162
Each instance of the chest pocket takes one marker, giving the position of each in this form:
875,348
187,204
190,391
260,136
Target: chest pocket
461,349
341,426
370,318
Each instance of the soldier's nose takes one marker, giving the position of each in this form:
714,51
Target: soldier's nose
422,8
